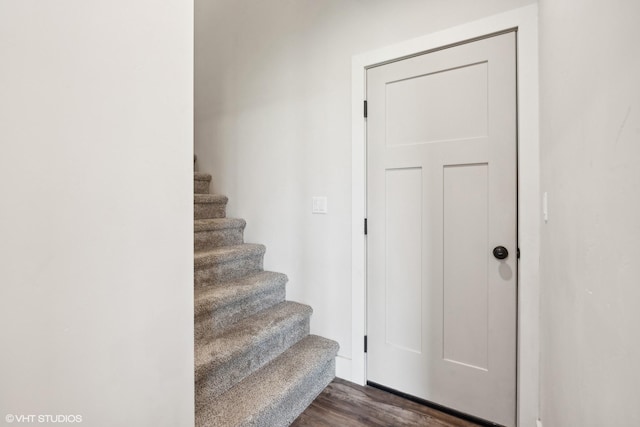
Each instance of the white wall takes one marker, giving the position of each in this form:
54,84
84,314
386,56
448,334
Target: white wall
590,266
273,125
96,300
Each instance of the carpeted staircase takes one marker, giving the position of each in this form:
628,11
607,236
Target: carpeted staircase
255,362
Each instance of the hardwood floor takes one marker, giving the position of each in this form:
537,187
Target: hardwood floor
344,404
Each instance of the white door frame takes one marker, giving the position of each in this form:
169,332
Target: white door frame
525,19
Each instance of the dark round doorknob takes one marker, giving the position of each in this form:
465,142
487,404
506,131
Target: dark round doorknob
500,252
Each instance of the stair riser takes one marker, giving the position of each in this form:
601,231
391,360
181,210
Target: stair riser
209,210
222,317
220,272
216,238
200,186
221,378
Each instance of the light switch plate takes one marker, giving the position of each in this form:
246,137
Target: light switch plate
319,205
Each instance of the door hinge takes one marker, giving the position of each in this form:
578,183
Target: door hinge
518,253
365,343
365,226
365,109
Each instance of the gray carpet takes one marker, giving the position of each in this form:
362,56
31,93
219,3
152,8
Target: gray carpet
255,362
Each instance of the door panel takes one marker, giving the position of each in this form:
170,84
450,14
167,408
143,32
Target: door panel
461,114
403,313
465,191
441,194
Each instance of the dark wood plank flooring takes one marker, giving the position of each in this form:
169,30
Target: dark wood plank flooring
345,404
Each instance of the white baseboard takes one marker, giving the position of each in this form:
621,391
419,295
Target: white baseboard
343,368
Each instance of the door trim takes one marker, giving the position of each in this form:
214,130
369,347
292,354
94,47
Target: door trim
525,20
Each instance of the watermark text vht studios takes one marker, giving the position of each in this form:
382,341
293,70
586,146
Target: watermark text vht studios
43,418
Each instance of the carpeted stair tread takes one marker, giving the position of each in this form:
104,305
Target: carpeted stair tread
217,349
211,224
200,176
213,298
217,232
223,360
201,182
224,263
276,394
218,199
209,205
218,306
227,253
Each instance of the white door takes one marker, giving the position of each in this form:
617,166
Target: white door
441,195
